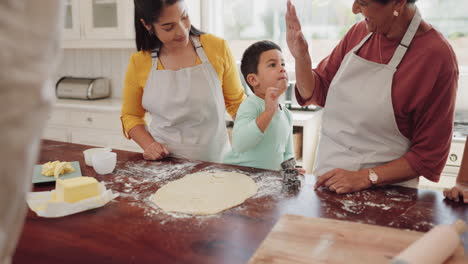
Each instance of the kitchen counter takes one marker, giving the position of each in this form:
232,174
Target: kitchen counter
115,104
132,230
109,104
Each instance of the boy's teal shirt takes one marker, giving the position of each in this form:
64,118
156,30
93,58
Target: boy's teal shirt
251,147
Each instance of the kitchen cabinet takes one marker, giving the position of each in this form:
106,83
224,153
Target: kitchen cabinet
102,137
108,19
99,24
106,23
57,133
94,123
72,20
309,122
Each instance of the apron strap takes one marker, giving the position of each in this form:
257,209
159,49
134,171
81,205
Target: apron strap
155,55
406,41
199,49
358,46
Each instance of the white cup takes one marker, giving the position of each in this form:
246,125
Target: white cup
104,162
89,153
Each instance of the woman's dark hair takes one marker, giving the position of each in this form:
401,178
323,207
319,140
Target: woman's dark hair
251,57
149,11
386,1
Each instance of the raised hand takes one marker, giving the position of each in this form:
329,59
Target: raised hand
296,41
155,151
271,98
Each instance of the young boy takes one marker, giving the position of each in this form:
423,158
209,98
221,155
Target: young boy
262,134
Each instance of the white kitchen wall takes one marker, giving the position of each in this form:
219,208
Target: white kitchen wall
109,63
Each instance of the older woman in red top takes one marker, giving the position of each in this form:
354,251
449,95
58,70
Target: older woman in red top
388,91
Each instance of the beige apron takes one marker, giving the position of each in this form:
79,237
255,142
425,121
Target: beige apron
29,49
359,129
187,109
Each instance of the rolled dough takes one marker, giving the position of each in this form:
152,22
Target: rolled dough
205,193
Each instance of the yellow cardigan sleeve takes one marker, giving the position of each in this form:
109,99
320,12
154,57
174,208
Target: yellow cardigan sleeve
133,113
232,88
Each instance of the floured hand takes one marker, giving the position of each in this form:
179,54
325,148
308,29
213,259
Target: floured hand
155,151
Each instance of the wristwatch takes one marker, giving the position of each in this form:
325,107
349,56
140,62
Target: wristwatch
373,177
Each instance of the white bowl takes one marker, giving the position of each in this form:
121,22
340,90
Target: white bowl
88,154
104,162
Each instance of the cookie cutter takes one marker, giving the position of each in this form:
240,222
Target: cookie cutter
291,181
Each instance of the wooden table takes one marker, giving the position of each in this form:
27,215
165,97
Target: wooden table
132,230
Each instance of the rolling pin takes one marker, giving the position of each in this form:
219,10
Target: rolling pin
434,247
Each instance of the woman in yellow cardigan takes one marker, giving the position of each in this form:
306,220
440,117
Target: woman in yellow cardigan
184,79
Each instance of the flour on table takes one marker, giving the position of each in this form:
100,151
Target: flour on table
205,193
135,183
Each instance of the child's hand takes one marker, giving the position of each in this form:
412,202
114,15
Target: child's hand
301,171
271,99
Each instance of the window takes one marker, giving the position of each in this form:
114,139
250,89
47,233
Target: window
451,18
324,22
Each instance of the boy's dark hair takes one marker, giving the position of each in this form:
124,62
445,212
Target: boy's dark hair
149,11
251,57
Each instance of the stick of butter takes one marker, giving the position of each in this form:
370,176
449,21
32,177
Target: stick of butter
76,189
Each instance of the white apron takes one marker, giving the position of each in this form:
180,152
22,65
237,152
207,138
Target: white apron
187,109
359,129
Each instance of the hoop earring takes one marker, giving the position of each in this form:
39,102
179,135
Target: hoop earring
395,13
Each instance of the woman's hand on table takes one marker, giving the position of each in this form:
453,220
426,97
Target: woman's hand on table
155,151
344,181
457,193
296,41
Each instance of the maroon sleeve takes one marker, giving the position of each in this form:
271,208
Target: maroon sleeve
327,68
433,123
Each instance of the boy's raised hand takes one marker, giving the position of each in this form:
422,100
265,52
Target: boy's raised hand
271,99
